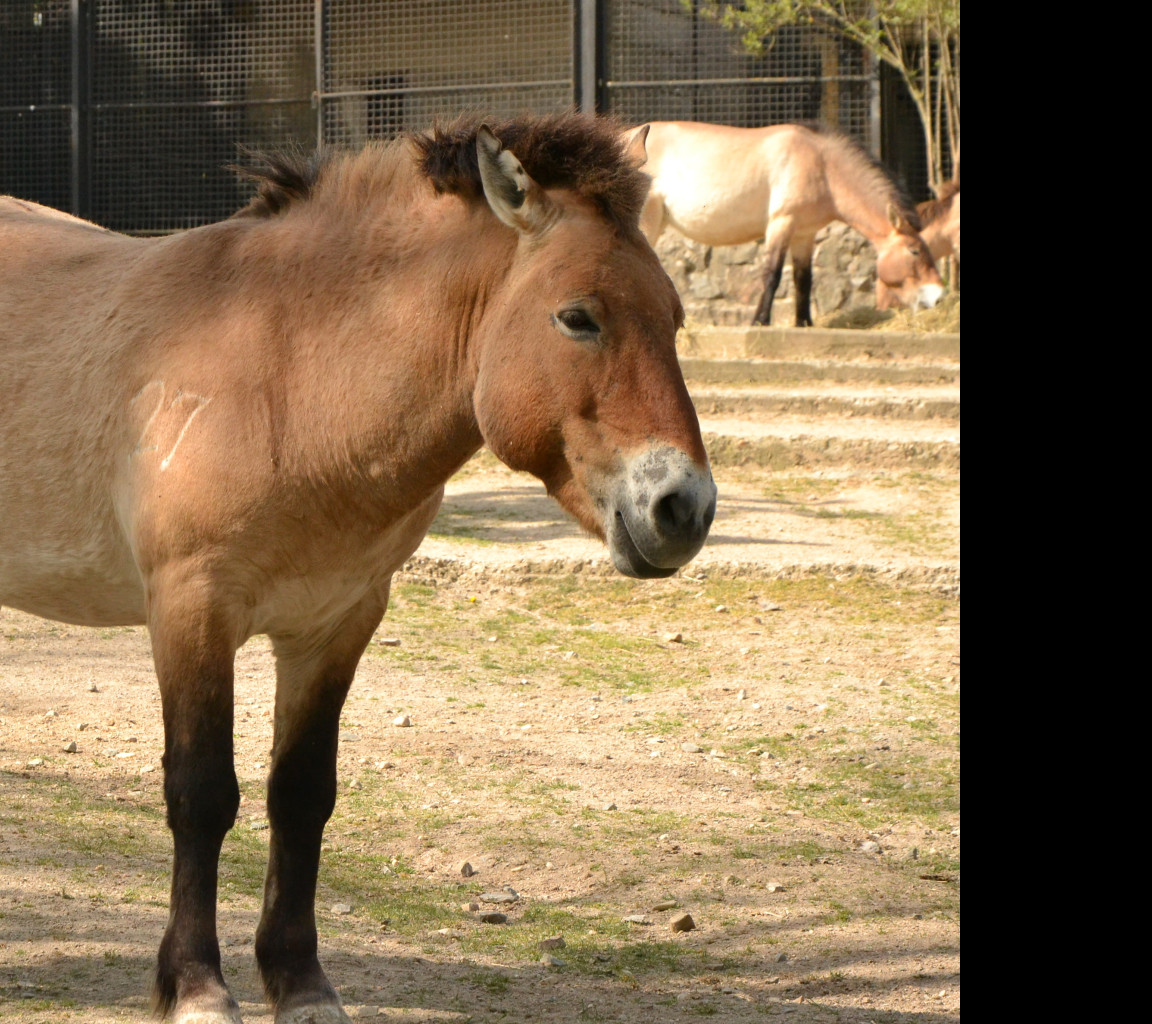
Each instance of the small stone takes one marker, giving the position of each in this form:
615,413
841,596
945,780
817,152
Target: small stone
493,918
70,748
257,826
775,887
781,957
691,748
36,762
742,695
450,933
868,846
547,960
402,722
721,607
636,919
609,807
341,908
556,942
673,638
81,726
355,784
470,908
389,641
683,923
93,688
508,896
665,905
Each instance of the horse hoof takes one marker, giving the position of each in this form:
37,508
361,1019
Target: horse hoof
325,1013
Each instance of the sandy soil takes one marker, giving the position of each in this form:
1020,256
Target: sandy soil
80,921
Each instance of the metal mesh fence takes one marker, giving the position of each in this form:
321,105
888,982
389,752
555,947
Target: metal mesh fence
175,88
666,62
36,101
391,65
128,111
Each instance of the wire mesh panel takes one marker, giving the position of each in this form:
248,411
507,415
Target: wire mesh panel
176,87
391,65
127,111
666,62
36,100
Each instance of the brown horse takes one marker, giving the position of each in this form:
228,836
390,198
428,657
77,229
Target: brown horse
940,218
246,427
726,186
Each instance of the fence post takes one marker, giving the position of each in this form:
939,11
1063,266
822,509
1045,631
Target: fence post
589,55
318,43
80,155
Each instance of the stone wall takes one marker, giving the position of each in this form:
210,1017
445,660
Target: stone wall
722,284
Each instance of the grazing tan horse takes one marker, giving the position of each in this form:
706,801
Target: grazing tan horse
940,220
246,428
726,186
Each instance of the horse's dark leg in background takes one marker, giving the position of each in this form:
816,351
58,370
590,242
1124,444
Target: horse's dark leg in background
802,279
313,674
776,240
193,651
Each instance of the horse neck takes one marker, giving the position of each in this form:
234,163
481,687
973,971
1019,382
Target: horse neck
396,375
860,196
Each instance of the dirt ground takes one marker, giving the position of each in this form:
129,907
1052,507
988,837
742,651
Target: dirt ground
725,766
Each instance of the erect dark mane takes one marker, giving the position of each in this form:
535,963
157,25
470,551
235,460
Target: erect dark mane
933,209
282,177
581,152
872,168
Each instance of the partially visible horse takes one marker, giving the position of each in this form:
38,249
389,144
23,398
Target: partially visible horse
724,186
246,428
940,218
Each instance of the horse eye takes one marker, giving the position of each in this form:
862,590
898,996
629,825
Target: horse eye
914,251
578,321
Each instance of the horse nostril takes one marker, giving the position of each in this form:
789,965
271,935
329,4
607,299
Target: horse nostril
674,513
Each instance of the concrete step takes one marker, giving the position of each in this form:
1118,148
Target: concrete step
827,398
900,525
784,371
816,343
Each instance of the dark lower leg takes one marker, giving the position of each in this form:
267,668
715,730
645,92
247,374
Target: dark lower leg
802,279
202,796
772,274
301,796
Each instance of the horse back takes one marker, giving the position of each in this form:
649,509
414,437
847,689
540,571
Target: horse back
720,184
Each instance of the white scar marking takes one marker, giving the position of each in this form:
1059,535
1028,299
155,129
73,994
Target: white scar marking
180,396
159,402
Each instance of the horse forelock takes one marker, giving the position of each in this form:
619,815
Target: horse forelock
872,174
570,150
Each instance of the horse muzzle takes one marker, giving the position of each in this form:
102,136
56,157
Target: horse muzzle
926,296
661,513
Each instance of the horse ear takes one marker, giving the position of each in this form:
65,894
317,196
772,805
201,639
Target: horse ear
635,152
898,220
512,195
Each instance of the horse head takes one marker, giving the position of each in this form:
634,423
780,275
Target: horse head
577,380
906,274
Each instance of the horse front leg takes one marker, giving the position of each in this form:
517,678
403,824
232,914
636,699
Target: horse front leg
313,674
193,651
776,240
